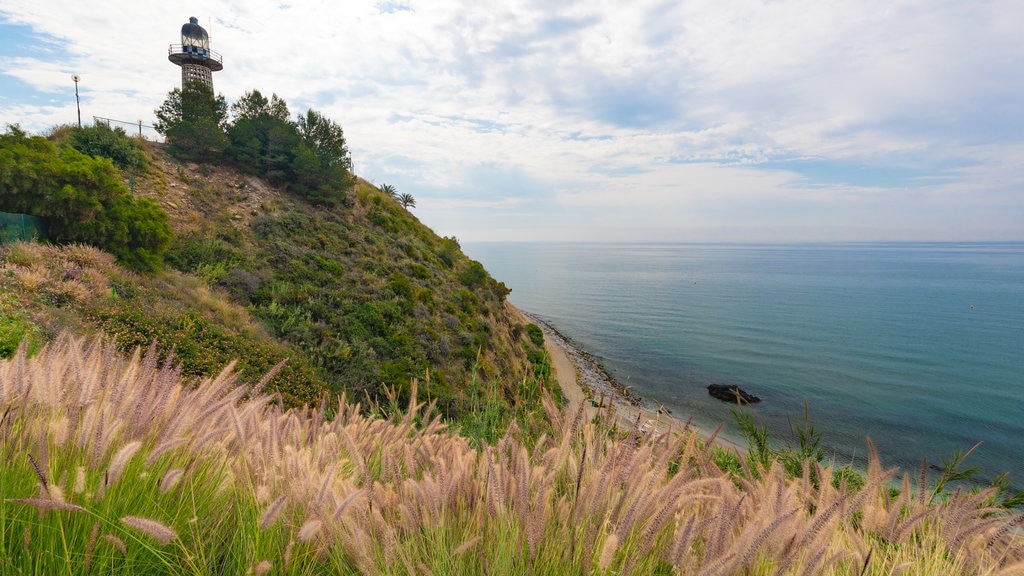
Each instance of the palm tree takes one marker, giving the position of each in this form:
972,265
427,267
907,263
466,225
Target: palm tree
389,190
407,201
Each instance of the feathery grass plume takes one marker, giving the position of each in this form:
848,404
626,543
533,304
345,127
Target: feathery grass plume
159,532
727,520
55,492
980,519
608,550
579,474
120,460
346,503
328,476
170,479
538,516
640,499
40,474
309,530
271,513
116,543
315,427
261,568
493,494
462,548
922,483
896,509
657,523
91,546
1004,530
956,511
97,440
748,551
47,504
59,431
236,421
876,479
163,447
286,559
912,521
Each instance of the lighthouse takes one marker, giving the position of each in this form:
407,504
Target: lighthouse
197,61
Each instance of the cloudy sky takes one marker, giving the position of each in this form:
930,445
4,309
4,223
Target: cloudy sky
639,120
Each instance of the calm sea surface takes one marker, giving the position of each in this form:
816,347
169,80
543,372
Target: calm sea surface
918,346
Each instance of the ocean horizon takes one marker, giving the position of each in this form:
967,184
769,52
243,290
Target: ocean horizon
917,346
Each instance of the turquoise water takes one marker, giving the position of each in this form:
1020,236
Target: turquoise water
918,346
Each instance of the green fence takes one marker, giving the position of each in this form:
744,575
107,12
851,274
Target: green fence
20,227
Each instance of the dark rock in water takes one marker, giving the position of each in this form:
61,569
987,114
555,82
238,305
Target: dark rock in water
732,393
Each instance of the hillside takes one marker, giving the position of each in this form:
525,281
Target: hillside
360,297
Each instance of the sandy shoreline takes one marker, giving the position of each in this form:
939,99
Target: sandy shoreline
582,379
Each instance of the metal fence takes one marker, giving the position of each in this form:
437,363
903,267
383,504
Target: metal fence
131,128
15,227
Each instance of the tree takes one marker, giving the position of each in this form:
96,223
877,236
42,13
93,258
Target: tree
407,201
262,137
325,175
389,190
193,120
254,106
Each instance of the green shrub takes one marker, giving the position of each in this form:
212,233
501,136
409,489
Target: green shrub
201,348
420,271
473,275
102,140
535,334
449,251
13,329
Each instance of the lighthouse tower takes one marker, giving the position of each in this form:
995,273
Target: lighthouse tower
197,61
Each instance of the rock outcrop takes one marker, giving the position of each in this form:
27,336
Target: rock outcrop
732,393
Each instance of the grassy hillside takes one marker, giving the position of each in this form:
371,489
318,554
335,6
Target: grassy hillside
47,290
358,297
372,295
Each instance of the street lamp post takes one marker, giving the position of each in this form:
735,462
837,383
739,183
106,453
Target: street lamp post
78,103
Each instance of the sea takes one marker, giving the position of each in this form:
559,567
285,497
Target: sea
917,346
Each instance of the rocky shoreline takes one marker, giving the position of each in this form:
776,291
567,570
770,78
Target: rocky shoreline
591,375
584,379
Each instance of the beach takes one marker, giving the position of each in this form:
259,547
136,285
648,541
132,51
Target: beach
583,380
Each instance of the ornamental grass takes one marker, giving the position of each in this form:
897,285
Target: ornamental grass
116,464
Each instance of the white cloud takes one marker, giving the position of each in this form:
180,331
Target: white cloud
688,110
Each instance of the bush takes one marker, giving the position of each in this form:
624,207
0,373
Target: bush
113,143
13,329
449,251
535,334
201,348
473,274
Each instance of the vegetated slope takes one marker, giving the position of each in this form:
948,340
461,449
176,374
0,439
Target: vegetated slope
47,290
371,296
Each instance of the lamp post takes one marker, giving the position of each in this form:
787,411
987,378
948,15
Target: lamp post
78,103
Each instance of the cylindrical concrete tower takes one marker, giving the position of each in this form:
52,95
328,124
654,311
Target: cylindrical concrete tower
197,61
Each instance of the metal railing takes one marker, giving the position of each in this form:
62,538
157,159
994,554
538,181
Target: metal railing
137,128
198,53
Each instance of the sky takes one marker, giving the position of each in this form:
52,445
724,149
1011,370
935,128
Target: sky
597,120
